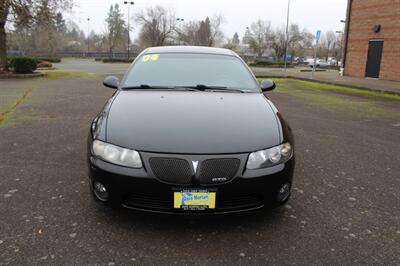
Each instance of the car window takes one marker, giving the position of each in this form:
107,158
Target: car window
174,69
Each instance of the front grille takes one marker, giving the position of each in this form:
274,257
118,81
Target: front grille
149,201
171,170
239,202
164,202
218,168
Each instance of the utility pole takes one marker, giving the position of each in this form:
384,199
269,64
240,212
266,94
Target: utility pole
287,34
180,20
129,41
88,35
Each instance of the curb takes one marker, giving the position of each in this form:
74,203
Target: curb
22,76
331,83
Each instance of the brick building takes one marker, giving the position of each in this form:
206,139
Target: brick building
372,40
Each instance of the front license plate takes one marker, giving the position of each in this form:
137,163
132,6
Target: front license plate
194,200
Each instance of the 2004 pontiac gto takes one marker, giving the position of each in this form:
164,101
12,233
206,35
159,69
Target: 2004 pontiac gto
190,130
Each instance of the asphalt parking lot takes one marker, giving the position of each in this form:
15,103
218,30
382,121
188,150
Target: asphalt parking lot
345,206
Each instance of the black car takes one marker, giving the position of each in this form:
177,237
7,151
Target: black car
189,130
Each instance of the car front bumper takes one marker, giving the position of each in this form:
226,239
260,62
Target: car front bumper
136,189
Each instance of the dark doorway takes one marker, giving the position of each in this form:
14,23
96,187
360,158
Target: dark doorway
374,58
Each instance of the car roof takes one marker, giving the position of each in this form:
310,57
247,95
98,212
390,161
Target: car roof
189,49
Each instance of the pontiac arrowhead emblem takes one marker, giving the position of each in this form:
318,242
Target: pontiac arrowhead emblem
195,164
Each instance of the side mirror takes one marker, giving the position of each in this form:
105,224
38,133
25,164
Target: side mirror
111,82
267,85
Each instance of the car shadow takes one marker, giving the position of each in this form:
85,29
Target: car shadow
206,224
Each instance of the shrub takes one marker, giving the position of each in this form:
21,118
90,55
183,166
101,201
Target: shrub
118,60
52,59
262,63
334,67
43,64
23,65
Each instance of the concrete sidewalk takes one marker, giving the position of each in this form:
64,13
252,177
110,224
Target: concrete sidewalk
331,77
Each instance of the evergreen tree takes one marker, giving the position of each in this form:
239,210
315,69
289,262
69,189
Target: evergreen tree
116,29
235,39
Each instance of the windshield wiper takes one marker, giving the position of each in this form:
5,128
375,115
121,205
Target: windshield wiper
199,87
151,87
142,86
202,87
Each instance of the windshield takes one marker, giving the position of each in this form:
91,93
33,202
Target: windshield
179,70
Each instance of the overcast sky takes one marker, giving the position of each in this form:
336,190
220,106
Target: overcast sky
311,14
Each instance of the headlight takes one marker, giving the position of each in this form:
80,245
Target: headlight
116,155
269,157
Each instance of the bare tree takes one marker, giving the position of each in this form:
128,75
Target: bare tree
188,33
336,50
328,43
259,37
74,38
217,34
279,42
299,40
157,24
300,47
295,35
204,33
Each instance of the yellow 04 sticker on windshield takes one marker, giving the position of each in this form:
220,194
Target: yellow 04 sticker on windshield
146,58
152,57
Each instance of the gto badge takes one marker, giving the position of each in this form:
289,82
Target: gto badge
219,179
195,164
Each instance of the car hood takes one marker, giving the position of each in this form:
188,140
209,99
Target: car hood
188,122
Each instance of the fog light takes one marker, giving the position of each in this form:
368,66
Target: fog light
100,191
283,193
